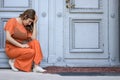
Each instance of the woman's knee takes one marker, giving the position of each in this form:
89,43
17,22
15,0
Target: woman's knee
30,53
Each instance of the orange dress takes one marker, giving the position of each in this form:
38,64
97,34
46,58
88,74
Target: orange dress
24,57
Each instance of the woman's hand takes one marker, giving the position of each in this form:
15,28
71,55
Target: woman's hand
24,46
34,33
36,19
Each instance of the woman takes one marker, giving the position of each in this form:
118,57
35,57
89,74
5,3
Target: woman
22,48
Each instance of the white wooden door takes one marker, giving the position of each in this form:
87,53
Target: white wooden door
10,9
86,33
83,35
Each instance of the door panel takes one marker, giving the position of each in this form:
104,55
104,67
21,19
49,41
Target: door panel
14,3
86,32
95,6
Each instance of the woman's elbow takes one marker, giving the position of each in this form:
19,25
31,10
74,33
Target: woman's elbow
8,36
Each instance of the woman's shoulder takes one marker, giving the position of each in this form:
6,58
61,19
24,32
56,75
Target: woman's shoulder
12,20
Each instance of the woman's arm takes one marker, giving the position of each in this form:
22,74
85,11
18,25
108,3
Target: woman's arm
13,41
34,34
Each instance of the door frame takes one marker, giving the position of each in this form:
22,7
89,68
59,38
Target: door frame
41,7
114,32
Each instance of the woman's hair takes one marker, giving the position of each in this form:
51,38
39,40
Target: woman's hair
29,13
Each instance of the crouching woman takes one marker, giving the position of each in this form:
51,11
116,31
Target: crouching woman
22,48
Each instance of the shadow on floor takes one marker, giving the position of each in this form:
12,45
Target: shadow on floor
89,73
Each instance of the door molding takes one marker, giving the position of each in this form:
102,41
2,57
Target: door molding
113,32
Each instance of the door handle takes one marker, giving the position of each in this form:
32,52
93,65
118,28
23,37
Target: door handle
69,4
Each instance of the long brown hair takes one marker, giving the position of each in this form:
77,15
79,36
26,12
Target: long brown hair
29,13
